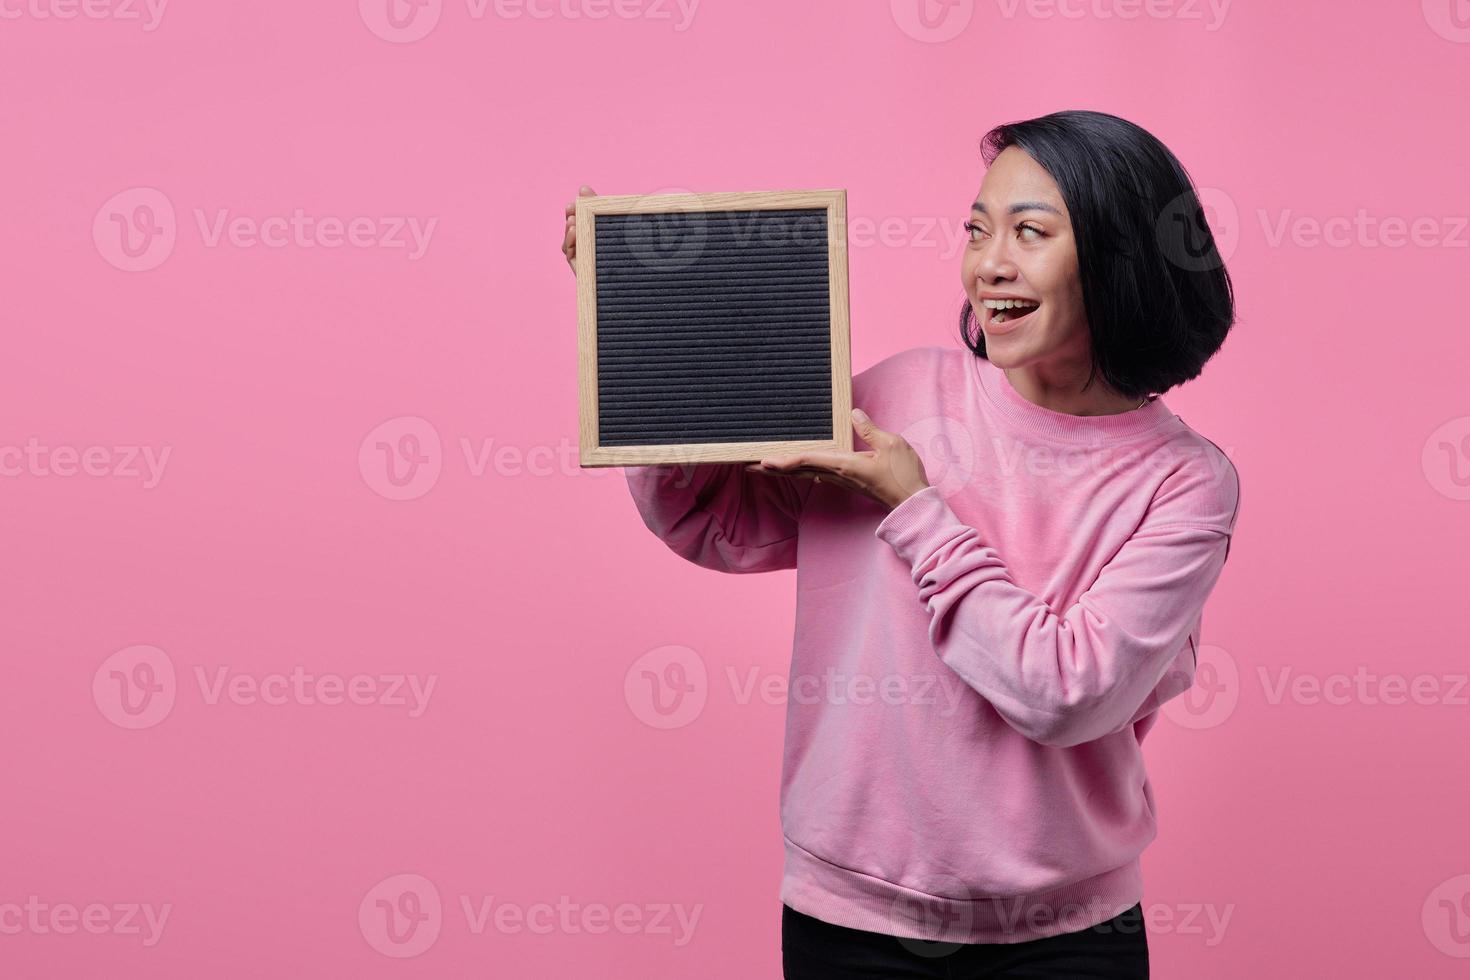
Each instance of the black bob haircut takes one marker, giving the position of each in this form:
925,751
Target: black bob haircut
1156,293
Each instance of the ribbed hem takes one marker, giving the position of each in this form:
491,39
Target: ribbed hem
860,901
1016,411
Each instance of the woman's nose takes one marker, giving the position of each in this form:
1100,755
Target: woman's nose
995,262
995,265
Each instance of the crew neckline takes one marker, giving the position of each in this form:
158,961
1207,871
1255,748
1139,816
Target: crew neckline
1024,414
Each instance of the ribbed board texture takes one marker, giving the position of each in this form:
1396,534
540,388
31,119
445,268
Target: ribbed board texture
713,326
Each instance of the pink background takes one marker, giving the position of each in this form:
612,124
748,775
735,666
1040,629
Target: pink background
1325,831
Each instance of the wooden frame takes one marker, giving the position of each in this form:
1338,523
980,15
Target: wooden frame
588,208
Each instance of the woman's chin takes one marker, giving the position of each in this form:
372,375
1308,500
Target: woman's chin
999,342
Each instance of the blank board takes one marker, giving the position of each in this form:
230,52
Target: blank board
712,327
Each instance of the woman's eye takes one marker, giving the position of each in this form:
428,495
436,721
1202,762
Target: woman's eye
976,231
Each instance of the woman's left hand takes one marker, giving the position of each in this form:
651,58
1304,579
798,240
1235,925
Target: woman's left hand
889,473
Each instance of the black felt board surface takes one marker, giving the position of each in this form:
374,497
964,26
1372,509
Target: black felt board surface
713,326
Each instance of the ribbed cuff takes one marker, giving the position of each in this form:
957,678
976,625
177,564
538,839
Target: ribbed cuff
916,527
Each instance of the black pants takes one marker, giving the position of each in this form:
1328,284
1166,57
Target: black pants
812,949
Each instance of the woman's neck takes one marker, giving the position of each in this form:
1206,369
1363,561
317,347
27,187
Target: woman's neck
1063,392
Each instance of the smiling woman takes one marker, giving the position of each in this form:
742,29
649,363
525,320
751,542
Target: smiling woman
1055,579
1094,224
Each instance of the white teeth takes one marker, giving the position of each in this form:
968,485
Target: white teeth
999,308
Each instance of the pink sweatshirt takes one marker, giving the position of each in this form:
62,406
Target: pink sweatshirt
973,672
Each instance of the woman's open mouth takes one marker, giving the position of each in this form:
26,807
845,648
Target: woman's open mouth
1005,314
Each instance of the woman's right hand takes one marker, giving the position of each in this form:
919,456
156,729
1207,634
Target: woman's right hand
569,239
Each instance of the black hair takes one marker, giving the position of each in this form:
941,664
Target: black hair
1155,290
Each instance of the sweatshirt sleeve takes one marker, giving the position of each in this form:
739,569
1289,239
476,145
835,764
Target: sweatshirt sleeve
1064,677
718,516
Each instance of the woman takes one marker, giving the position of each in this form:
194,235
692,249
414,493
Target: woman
968,796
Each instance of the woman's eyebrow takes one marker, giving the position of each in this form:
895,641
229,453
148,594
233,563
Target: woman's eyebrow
1020,206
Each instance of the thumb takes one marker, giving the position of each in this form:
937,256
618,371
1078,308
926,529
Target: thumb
864,427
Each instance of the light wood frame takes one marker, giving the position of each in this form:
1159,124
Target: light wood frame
588,208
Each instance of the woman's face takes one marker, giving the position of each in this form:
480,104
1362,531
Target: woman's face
1021,246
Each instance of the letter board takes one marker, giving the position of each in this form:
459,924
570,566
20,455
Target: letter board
712,327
